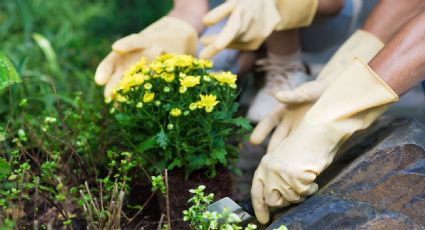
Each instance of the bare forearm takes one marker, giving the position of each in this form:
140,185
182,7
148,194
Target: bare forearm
401,64
190,11
389,16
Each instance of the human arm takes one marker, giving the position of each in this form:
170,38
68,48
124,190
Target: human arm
401,64
191,12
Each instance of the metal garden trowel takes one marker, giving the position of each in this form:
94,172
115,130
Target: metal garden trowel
244,211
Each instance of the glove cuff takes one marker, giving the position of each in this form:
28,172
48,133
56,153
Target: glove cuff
352,102
361,44
296,14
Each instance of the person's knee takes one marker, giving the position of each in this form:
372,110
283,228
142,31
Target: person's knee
330,7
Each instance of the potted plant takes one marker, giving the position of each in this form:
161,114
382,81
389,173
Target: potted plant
176,114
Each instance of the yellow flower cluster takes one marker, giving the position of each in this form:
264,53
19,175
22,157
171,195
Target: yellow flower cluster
168,72
130,81
225,78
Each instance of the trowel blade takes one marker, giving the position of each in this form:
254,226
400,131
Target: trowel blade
231,206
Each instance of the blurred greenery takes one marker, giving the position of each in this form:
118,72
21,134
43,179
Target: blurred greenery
56,45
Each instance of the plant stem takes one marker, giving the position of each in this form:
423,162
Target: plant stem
167,200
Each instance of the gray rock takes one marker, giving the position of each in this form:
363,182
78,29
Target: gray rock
376,182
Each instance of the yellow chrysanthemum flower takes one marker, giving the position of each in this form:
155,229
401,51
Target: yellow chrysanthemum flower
204,63
131,80
148,97
208,102
225,78
121,98
193,106
147,86
168,77
176,112
156,66
164,57
182,89
138,67
189,81
180,61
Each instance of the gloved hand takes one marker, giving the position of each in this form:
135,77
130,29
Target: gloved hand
252,21
352,102
167,35
298,101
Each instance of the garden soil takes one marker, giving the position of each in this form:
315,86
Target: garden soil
221,185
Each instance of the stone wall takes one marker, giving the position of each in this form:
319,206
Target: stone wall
376,182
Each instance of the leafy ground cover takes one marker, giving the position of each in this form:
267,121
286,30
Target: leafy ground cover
56,167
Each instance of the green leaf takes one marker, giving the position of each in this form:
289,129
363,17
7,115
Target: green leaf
176,163
147,144
4,168
220,155
242,122
8,73
48,51
197,162
162,139
123,119
2,135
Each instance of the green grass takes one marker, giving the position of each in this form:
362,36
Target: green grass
56,45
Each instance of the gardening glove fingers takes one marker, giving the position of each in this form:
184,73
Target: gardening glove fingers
123,64
291,118
208,39
361,44
152,52
112,83
167,35
352,102
130,43
219,13
310,190
230,31
280,133
257,196
278,193
264,128
307,92
250,22
275,199
105,69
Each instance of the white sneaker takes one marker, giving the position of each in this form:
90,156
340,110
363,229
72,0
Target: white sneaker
278,77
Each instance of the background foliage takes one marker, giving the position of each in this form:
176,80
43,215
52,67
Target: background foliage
52,124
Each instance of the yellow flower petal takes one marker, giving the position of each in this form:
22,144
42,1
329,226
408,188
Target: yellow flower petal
189,81
148,97
225,78
176,112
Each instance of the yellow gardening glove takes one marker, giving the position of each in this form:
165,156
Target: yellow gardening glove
297,102
167,35
250,22
352,102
